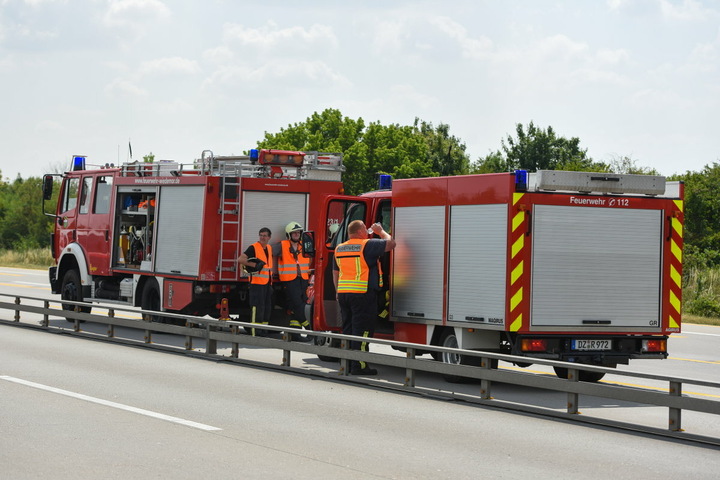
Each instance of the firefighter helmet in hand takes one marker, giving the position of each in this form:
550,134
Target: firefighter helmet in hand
259,264
293,227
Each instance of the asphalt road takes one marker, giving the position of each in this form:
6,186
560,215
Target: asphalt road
77,408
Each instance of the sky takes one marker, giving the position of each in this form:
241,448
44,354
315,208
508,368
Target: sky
629,78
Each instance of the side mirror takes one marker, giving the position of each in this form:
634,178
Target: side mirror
308,244
47,187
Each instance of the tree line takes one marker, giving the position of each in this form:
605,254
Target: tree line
418,150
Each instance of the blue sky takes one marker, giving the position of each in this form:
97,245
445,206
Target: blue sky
636,78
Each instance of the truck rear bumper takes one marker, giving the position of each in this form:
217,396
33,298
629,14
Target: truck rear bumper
609,351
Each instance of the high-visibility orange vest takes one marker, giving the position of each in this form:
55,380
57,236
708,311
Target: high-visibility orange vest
288,264
354,270
264,276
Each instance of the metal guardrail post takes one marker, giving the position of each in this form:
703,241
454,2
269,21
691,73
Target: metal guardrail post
409,371
235,347
485,384
675,414
210,344
148,333
46,318
286,351
344,362
188,338
111,327
17,312
573,375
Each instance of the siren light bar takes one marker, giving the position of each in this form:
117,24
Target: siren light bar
280,157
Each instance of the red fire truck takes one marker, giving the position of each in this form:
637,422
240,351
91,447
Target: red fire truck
165,236
574,266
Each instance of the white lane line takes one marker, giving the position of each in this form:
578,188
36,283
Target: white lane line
106,403
702,333
33,283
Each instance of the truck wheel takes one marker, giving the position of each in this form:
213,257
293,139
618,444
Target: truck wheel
585,376
71,289
150,300
333,342
449,340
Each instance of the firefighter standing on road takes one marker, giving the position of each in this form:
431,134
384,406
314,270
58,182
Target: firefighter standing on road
258,260
357,281
294,271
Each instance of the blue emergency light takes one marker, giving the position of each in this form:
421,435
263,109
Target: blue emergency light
78,162
521,180
254,154
385,182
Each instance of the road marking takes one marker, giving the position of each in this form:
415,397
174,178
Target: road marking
702,333
610,382
691,360
107,403
33,283
23,286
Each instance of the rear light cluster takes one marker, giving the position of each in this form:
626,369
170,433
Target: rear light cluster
533,345
659,345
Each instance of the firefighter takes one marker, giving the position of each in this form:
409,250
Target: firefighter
294,272
357,281
258,260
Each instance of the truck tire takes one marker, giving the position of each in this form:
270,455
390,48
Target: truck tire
333,342
150,300
71,289
449,340
585,376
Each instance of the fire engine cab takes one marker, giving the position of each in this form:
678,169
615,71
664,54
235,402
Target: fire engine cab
574,266
165,236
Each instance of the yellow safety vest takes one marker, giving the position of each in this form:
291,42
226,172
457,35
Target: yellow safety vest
354,270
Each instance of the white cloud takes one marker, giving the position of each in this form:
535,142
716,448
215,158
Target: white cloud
477,48
166,66
124,88
270,37
133,13
310,74
221,54
688,10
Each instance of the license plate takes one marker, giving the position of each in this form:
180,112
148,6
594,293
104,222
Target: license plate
591,345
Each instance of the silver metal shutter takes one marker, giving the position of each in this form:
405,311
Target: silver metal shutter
419,262
596,265
273,210
179,229
478,266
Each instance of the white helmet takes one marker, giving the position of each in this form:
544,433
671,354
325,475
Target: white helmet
293,227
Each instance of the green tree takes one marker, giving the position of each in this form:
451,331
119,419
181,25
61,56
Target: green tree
626,164
446,153
22,223
702,214
419,150
537,149
493,162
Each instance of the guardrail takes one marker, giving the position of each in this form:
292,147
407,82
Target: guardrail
210,333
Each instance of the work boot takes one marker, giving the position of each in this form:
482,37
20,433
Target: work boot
363,371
